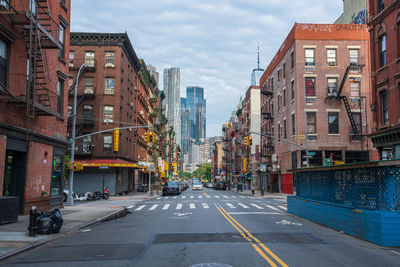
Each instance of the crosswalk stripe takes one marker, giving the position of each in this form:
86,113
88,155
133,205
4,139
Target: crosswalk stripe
192,206
175,197
258,207
184,197
158,198
216,196
191,196
233,197
179,206
272,207
241,197
243,205
166,198
153,207
225,197
230,205
208,197
200,196
205,205
283,207
141,207
166,206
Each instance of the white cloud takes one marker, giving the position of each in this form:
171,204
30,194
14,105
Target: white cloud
213,42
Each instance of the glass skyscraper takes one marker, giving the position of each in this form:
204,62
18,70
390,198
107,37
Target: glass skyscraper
185,126
257,73
172,101
196,104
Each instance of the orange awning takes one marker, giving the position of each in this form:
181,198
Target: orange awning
109,162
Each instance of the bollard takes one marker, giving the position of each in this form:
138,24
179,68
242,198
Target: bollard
252,191
33,227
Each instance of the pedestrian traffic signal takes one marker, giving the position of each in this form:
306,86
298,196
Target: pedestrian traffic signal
250,138
246,141
147,136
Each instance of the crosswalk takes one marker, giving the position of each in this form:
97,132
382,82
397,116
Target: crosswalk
206,196
192,206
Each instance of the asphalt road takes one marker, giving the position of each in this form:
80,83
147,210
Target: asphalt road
221,227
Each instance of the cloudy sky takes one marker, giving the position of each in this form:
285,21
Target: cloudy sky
213,42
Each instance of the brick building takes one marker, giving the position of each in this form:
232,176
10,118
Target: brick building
111,94
34,45
311,74
384,27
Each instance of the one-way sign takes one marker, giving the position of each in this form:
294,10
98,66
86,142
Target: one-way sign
307,156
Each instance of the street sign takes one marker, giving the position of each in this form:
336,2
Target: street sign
312,153
263,167
105,167
151,167
301,136
307,156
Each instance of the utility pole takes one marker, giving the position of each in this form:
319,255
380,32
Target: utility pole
70,200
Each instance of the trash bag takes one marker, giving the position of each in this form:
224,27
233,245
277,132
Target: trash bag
49,222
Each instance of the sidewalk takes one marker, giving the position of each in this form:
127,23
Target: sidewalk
14,237
257,193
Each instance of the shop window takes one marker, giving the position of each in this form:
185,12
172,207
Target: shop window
107,144
311,122
310,86
331,57
56,177
354,56
333,122
3,65
109,86
309,53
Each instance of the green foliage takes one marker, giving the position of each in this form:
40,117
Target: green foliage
204,171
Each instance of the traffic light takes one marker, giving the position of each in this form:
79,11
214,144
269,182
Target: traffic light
152,137
147,136
250,140
116,139
246,141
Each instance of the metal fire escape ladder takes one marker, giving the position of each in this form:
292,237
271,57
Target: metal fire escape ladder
346,101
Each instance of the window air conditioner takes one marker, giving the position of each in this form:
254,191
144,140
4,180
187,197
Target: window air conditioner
89,91
332,63
109,65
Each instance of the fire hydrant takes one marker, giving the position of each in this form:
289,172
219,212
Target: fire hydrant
33,227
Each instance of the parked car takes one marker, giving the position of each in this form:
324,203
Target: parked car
142,189
197,186
209,185
171,188
221,186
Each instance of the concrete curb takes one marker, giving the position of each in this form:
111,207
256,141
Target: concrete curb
114,215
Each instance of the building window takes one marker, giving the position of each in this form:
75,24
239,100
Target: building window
70,110
88,112
86,143
110,59
109,86
354,56
332,86
62,40
107,144
279,132
382,50
311,122
89,59
89,88
108,114
70,81
292,89
333,122
279,75
71,58
357,120
284,129
284,97
3,65
279,102
293,124
272,84
384,108
355,87
381,5
331,57
284,70
310,57
292,60
310,86
60,96
4,5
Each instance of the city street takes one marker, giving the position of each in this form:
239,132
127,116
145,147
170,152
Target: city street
208,226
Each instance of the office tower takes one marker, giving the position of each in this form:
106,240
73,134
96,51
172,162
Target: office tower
196,103
185,126
153,71
258,72
172,101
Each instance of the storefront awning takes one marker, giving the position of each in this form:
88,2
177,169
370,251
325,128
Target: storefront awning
110,162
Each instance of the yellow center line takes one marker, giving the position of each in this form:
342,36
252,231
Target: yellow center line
256,240
205,194
249,240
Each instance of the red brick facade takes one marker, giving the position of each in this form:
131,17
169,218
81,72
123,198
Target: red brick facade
40,127
384,27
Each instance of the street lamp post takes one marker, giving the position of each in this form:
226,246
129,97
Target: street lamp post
70,200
